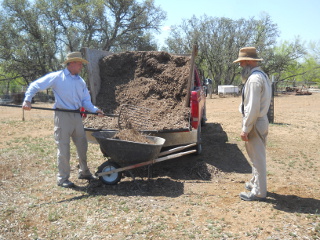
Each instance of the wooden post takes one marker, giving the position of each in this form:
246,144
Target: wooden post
93,56
270,113
191,75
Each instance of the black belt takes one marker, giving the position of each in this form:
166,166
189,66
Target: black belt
67,110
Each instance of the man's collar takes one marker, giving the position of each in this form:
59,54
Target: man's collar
67,72
256,69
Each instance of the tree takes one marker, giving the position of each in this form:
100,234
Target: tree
36,35
315,50
27,48
282,61
219,41
312,64
107,25
312,71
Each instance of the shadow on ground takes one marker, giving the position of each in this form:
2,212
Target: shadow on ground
218,152
153,187
164,178
294,204
217,156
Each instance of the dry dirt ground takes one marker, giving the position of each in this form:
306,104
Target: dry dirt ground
192,197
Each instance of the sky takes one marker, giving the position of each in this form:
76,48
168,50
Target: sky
293,17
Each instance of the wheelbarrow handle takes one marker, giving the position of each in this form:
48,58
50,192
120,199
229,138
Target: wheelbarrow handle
61,110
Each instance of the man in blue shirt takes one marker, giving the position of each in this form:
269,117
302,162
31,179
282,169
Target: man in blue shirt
70,93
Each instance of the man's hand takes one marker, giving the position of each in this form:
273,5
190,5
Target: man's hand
244,136
26,105
100,113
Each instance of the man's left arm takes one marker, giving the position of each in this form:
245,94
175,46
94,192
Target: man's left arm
251,108
87,104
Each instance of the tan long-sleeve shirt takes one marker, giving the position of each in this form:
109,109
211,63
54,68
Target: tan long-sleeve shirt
257,97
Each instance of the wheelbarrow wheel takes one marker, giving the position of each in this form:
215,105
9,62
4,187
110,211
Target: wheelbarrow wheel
112,178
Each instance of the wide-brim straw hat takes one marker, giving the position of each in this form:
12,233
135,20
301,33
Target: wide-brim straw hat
248,54
75,57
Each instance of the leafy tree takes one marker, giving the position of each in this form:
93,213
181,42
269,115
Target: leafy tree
107,25
282,61
36,35
312,71
219,41
27,48
312,64
315,50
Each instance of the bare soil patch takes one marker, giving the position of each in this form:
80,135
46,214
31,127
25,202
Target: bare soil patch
192,197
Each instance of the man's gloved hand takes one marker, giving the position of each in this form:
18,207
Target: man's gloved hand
100,113
26,105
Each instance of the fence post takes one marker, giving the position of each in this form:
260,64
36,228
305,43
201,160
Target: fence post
271,108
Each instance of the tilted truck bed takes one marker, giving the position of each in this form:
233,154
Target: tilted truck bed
174,137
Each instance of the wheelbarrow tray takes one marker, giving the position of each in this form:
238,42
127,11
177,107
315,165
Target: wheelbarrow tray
174,138
127,153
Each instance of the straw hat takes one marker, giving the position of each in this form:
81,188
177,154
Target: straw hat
248,54
75,57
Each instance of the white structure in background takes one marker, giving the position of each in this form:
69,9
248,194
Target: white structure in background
228,89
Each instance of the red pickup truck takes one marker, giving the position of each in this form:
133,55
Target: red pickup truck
197,108
197,102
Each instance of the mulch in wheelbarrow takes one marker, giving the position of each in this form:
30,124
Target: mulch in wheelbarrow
125,152
132,135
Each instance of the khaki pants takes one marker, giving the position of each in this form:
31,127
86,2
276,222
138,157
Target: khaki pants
256,149
68,125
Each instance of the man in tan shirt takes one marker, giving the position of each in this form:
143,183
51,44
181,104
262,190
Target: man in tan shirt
256,97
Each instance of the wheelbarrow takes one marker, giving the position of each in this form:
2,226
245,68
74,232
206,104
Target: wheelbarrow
126,155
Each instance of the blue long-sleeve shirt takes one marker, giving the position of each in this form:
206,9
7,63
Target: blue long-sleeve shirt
70,91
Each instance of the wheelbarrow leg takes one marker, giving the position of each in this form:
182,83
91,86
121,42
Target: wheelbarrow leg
150,171
134,180
92,180
132,175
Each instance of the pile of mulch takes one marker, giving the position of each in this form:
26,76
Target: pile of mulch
132,135
153,80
